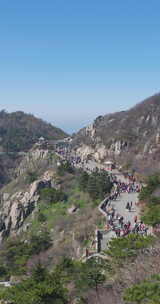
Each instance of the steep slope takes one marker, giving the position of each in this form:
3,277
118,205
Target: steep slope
131,136
46,217
19,131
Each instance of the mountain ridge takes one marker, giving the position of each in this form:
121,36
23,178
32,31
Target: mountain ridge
125,136
19,131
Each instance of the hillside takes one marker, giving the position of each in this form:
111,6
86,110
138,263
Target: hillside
19,131
48,217
44,207
131,137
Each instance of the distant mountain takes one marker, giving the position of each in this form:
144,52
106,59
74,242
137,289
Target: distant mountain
19,131
131,137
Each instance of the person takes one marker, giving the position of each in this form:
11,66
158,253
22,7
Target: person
109,219
127,205
128,225
118,232
113,214
135,218
129,208
121,221
142,226
134,227
117,216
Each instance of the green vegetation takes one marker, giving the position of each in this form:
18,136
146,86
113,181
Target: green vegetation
44,287
122,248
151,214
146,292
97,184
40,242
91,275
84,276
41,288
153,183
52,196
15,253
65,167
31,176
19,131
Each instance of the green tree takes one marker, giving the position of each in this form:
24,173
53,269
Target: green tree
46,289
91,276
51,195
83,181
152,183
92,187
146,292
151,215
40,242
39,273
41,217
121,248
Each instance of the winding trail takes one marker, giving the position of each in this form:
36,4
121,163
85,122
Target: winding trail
119,204
120,207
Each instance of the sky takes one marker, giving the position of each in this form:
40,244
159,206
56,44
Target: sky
69,61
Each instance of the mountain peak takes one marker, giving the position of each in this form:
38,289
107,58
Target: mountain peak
128,136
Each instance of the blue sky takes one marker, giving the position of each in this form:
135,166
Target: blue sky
68,61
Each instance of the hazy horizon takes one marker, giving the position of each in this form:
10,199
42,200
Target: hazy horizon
69,129
68,62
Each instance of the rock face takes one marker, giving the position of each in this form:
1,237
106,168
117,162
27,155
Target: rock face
17,205
125,136
32,160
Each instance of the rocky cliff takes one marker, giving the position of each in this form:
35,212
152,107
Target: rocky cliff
131,137
20,198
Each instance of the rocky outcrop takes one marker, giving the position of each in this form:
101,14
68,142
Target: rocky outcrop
17,207
126,136
100,152
32,160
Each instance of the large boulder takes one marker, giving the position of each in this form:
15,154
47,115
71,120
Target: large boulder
18,206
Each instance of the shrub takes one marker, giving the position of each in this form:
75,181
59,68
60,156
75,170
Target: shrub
31,177
121,248
97,184
152,183
41,217
151,215
42,287
16,254
90,276
65,167
147,291
40,242
51,195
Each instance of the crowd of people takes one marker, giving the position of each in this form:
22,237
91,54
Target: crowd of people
75,160
116,221
129,187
